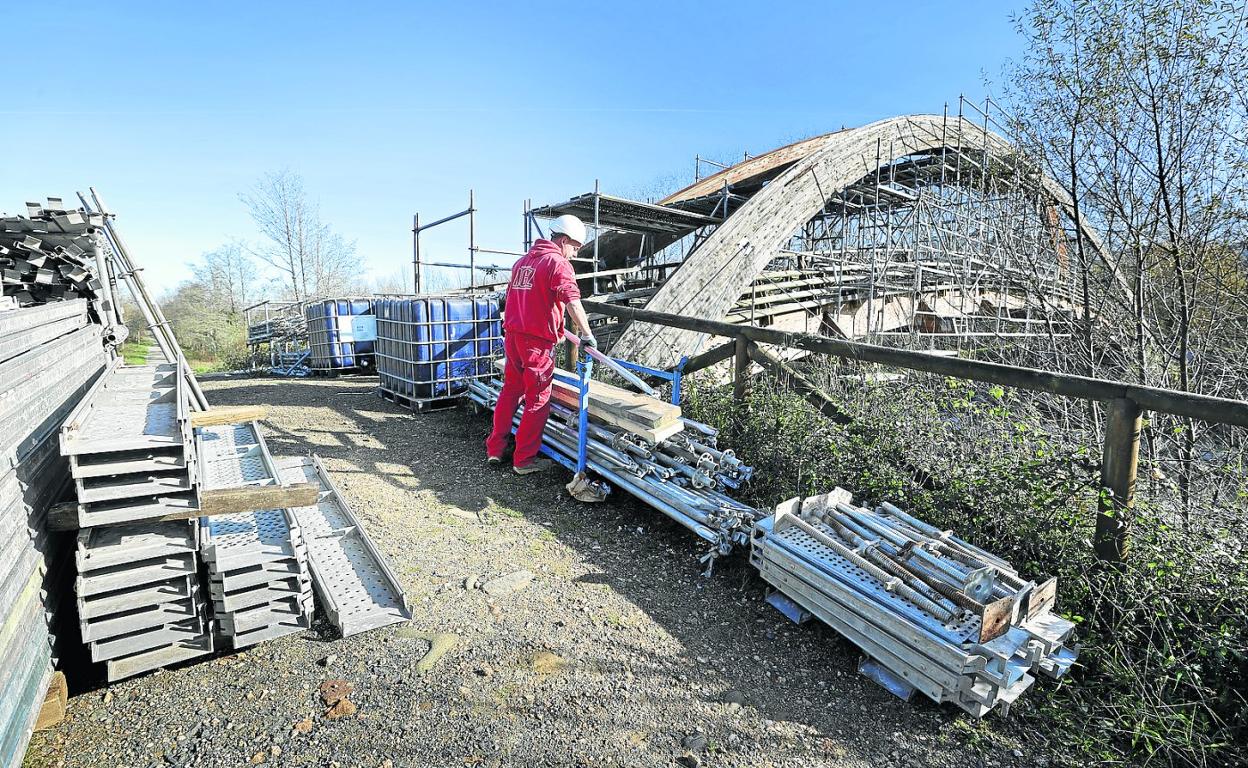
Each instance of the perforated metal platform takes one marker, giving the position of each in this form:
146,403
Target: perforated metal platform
136,510
129,445
908,648
129,409
257,561
123,544
233,455
131,575
140,604
159,658
355,585
249,538
148,640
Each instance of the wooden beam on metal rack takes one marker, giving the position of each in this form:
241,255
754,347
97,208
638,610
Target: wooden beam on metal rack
229,414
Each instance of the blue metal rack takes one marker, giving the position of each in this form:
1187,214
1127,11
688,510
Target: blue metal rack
584,372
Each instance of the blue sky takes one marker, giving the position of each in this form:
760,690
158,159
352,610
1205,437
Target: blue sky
171,110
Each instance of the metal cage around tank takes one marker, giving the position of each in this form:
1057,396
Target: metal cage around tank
429,347
341,335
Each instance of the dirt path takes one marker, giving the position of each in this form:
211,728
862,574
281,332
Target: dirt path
618,653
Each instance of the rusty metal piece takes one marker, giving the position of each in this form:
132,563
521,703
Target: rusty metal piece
1042,598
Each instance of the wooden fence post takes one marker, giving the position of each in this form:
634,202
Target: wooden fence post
1119,460
740,368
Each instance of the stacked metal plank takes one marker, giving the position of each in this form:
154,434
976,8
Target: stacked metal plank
139,602
49,255
130,448
49,356
931,612
257,562
356,587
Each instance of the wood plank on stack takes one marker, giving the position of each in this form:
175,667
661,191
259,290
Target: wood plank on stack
645,416
257,561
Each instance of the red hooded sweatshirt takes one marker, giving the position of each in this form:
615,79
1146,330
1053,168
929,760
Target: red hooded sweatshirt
542,284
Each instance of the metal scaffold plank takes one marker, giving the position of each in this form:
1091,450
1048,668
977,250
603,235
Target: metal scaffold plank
256,559
355,585
129,409
931,612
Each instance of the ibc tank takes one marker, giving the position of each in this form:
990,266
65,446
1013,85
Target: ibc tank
341,335
429,347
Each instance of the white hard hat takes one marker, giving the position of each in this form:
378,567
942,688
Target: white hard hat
569,225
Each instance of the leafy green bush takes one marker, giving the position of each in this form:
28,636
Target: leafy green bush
1164,664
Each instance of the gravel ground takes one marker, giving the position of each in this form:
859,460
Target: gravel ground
618,653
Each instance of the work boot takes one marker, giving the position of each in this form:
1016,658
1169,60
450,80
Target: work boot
540,464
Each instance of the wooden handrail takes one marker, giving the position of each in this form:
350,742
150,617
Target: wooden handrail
1123,401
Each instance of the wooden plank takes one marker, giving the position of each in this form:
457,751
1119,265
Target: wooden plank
568,398
220,501
249,498
232,414
613,404
54,702
1119,462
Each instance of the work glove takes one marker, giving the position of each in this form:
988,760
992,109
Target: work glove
589,340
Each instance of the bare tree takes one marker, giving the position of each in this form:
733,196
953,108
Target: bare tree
397,282
229,274
1137,107
313,258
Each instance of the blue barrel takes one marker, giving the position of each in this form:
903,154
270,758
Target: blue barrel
429,347
341,334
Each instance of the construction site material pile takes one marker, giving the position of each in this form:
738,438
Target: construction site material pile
130,533
52,348
257,560
130,450
681,473
932,613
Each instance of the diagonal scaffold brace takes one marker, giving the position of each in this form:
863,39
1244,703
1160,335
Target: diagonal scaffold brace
155,318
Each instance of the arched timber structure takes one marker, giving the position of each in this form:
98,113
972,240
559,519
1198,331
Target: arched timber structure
778,194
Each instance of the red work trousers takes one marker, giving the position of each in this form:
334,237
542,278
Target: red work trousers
529,373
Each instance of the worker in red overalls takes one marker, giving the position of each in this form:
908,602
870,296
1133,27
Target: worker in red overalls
542,284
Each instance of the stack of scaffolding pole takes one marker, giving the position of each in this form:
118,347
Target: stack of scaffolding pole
931,612
684,477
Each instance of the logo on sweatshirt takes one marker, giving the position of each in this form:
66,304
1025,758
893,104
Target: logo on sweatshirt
522,280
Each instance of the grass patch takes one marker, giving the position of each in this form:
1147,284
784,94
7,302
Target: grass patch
134,353
1164,667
